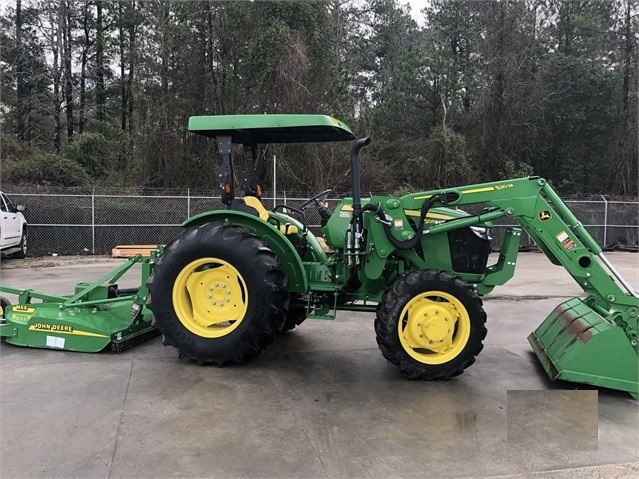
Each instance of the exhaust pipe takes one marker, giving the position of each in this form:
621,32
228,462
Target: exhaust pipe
355,174
354,238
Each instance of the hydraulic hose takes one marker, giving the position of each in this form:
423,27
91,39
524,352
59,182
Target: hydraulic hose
411,243
403,245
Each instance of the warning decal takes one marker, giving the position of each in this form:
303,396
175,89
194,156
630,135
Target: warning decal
565,240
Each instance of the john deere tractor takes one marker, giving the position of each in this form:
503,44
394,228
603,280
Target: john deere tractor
237,277
222,291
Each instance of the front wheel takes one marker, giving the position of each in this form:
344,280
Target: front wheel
430,325
218,294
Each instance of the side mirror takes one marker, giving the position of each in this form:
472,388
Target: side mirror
21,208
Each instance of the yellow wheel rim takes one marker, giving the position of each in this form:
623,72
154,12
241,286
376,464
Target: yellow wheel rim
210,297
434,327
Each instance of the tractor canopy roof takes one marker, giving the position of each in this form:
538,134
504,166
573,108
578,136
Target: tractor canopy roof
271,128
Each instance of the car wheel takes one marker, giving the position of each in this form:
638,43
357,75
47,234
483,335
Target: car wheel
22,253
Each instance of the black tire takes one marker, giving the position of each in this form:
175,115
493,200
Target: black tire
23,246
430,325
218,265
295,316
4,302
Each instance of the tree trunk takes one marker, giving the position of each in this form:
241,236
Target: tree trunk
83,65
99,55
68,79
129,86
214,101
627,57
20,83
56,44
164,63
625,178
123,99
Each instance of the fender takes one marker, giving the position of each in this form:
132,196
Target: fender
289,258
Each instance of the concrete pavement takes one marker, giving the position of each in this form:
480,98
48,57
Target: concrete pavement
320,403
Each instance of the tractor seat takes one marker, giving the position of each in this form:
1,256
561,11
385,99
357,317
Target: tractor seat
256,204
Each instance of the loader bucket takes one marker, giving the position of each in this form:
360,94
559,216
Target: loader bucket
575,343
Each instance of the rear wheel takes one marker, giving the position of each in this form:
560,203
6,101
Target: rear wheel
430,325
295,316
218,294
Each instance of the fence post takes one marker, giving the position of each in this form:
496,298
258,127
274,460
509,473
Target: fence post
605,235
274,180
93,221
188,203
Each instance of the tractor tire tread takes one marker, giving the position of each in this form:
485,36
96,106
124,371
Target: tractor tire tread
391,306
259,332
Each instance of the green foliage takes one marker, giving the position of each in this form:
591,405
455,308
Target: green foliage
403,191
484,90
12,148
448,161
513,169
445,163
44,169
584,117
93,152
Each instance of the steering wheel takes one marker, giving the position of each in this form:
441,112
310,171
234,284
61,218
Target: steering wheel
316,200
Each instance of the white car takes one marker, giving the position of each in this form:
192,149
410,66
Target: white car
13,228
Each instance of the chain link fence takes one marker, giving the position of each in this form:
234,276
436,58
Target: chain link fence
95,222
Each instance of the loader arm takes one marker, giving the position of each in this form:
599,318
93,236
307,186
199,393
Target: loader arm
591,340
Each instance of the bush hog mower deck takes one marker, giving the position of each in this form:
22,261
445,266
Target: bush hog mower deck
235,278
98,316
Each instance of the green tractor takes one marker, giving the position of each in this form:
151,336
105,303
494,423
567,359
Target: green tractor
236,278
